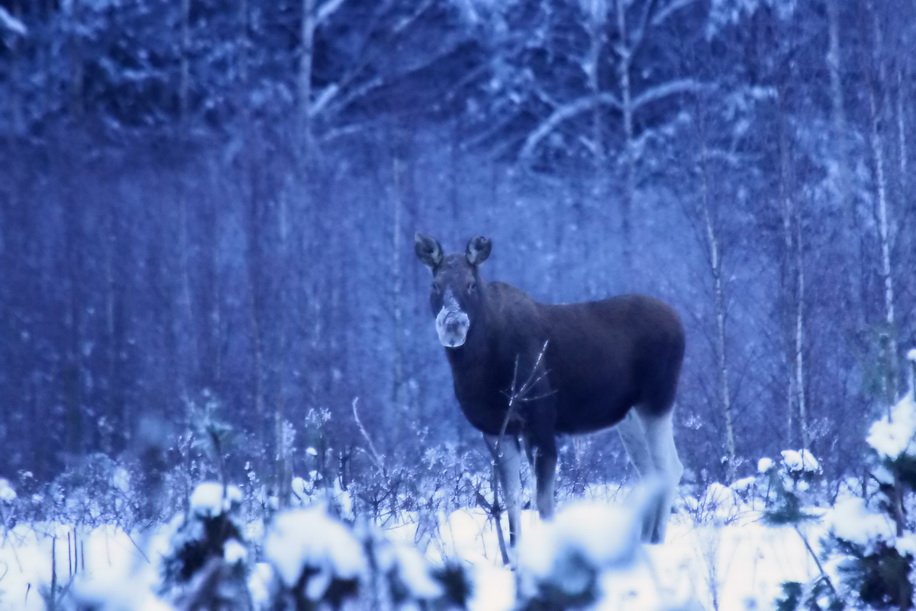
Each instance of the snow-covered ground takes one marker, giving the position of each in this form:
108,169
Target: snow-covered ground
727,560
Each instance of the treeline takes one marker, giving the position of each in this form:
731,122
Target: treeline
207,211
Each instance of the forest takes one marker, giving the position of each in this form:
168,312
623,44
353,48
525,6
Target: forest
208,210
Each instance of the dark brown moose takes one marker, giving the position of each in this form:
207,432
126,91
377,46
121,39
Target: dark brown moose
580,368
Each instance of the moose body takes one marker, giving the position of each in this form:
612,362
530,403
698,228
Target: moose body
532,370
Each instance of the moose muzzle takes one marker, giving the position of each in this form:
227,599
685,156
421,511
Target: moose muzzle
452,323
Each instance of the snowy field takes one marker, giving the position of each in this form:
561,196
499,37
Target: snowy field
745,546
727,560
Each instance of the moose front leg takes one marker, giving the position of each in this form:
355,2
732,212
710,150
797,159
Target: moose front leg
545,471
506,454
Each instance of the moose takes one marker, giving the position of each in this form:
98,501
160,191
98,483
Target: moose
588,366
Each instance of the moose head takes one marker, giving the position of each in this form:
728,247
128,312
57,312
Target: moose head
456,291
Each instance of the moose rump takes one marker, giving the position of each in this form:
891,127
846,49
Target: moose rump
588,366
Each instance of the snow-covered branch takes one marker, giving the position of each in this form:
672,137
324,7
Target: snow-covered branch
563,114
670,9
327,9
664,90
12,24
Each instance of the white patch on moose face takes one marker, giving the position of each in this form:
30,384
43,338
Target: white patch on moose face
452,323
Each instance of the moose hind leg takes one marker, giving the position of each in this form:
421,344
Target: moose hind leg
633,436
660,438
507,455
634,441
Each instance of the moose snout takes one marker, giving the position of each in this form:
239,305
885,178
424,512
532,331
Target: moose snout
452,327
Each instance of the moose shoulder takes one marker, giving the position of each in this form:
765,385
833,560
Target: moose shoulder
588,366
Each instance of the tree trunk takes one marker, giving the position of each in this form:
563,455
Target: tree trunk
794,291
396,286
715,267
185,70
903,154
598,18
876,141
629,169
799,346
306,55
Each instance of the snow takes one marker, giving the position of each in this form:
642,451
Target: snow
892,437
302,538
800,461
7,494
259,584
742,561
604,535
121,479
414,572
744,485
852,521
764,465
906,545
719,502
234,552
115,571
7,21
208,500
911,355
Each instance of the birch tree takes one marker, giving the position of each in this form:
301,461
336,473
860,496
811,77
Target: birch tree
877,114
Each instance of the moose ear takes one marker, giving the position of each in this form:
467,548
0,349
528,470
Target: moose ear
478,250
428,250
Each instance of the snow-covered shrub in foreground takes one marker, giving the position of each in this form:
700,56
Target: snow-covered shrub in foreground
207,562
561,563
316,557
320,561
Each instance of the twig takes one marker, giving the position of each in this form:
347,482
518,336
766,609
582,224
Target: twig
514,396
129,538
373,453
817,562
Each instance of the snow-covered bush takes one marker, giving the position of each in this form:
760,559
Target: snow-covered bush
874,548
789,485
870,543
207,563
